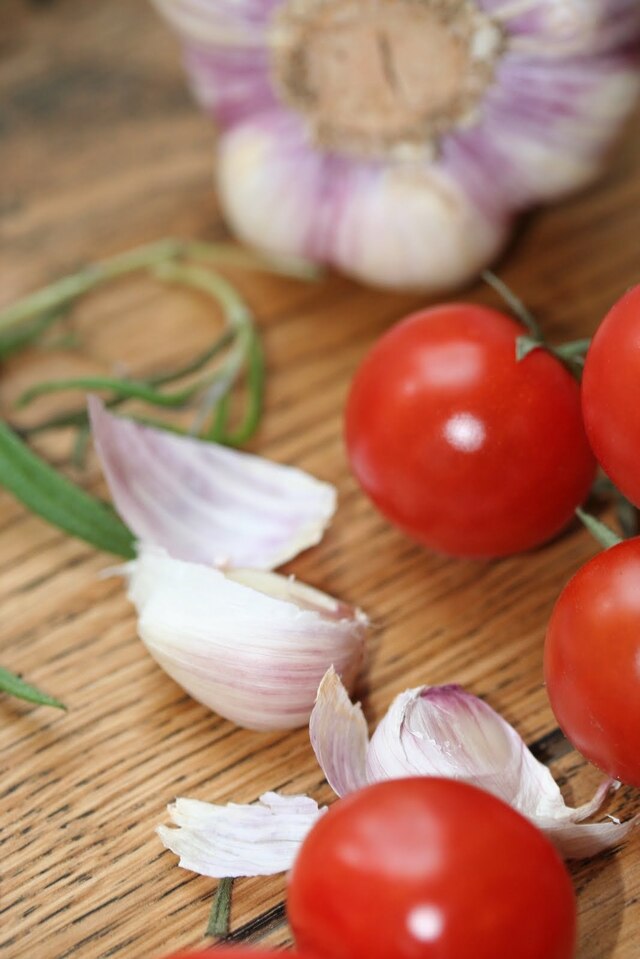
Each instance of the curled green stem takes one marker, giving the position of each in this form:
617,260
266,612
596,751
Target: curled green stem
64,291
162,260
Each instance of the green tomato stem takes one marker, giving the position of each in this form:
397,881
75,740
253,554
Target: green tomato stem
219,917
599,530
514,303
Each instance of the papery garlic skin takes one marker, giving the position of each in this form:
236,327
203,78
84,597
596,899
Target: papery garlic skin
232,840
429,731
250,645
204,502
521,106
445,731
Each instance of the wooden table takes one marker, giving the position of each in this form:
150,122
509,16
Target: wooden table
103,149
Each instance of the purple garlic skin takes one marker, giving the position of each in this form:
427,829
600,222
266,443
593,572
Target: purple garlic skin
398,141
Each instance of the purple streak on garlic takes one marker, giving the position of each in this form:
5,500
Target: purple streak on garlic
206,503
445,731
232,840
396,141
250,645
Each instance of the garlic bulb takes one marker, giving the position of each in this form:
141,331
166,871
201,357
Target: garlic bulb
395,139
428,731
250,645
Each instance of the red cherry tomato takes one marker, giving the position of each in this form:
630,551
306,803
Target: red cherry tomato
610,394
425,868
592,661
462,446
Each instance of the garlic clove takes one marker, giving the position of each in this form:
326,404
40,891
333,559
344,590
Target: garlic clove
204,502
269,185
339,737
252,646
414,226
517,156
549,28
230,841
549,152
410,224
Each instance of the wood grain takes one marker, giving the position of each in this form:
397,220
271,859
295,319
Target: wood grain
102,149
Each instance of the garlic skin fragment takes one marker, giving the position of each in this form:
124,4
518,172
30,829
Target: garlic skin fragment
397,141
429,731
255,840
250,645
445,731
206,503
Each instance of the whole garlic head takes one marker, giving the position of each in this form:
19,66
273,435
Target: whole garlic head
397,140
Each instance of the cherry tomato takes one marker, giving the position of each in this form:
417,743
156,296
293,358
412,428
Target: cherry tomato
424,868
464,447
610,394
592,661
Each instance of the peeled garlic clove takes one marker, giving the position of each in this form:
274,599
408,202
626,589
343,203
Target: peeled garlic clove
445,731
250,645
206,503
255,840
410,225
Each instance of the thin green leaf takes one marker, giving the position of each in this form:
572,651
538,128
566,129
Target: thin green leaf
218,925
14,686
56,499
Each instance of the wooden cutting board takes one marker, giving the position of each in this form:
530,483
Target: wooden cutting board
101,149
